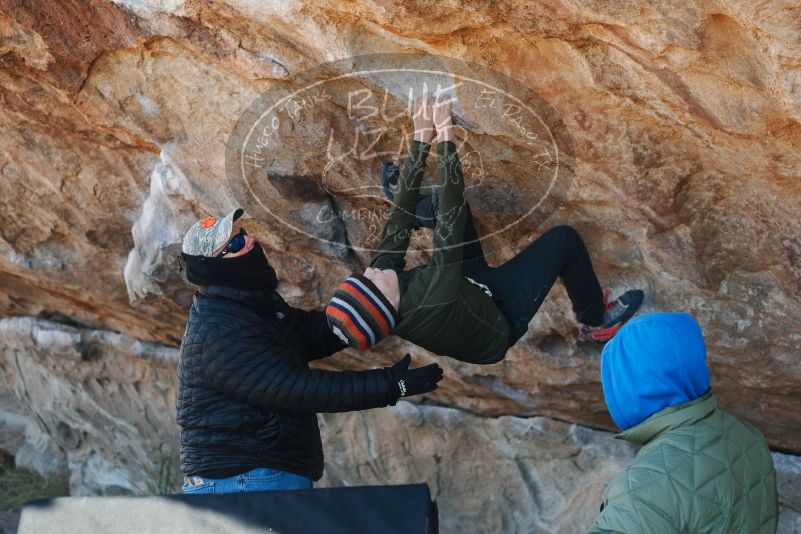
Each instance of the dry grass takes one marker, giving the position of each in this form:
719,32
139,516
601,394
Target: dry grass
17,486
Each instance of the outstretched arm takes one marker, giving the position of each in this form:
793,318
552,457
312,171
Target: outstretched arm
452,215
306,328
391,251
315,335
242,367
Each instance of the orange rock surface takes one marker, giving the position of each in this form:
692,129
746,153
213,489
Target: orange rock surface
685,176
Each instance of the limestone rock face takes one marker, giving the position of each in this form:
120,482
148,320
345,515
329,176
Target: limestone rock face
504,474
100,405
685,167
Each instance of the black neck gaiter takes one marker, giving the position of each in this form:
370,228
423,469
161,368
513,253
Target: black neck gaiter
250,271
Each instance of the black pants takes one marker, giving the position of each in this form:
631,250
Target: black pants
520,285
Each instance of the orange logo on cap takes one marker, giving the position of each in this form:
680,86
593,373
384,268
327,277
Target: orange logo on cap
208,222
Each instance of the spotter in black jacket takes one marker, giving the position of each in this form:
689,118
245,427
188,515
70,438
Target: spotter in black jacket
246,396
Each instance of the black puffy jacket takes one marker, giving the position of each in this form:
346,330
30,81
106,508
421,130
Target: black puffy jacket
246,396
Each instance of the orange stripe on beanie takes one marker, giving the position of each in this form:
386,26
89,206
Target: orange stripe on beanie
374,311
359,313
345,326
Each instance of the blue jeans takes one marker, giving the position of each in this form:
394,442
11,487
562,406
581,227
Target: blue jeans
259,479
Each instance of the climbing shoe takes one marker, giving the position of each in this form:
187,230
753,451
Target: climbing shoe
616,314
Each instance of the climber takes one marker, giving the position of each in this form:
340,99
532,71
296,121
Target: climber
700,469
247,400
457,305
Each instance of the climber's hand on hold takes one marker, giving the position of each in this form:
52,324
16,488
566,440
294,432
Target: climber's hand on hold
423,117
443,119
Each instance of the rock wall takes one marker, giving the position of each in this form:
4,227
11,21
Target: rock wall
684,161
684,120
100,405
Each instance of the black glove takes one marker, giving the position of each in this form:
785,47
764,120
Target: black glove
407,382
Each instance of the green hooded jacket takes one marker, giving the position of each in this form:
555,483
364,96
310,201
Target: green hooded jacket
700,470
439,310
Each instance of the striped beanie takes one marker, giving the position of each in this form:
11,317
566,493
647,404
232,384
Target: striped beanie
359,313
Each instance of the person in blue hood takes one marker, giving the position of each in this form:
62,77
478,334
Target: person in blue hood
700,469
647,370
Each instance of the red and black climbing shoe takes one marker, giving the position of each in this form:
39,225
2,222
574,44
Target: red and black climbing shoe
616,314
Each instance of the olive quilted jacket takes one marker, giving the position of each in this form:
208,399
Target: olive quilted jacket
701,470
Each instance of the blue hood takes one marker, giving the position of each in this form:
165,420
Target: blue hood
654,361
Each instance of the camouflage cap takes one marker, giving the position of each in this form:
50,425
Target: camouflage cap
209,234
